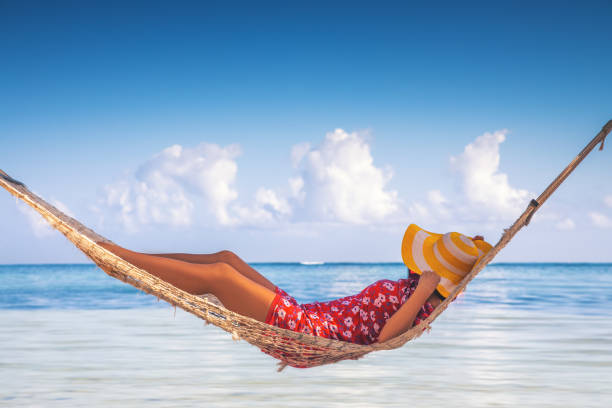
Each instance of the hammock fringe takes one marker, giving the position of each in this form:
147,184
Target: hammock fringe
295,349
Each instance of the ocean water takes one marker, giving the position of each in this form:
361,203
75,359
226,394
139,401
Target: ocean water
521,335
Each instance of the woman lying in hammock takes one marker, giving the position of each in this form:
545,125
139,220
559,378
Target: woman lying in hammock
381,311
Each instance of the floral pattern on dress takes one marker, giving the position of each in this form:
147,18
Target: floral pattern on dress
357,319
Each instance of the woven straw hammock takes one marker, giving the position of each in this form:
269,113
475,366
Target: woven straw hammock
295,349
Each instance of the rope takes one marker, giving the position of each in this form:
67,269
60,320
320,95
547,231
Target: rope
600,138
510,232
295,349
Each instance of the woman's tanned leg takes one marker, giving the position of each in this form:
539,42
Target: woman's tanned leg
237,292
227,257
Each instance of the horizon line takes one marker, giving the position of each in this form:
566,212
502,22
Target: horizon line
323,263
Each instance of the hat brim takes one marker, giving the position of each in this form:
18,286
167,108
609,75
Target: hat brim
425,242
408,242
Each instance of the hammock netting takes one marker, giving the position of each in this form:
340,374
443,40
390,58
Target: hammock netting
292,348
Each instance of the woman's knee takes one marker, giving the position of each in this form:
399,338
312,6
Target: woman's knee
220,271
226,256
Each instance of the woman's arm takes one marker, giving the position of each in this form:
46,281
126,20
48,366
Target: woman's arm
403,319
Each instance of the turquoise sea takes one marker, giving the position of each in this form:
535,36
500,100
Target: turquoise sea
522,335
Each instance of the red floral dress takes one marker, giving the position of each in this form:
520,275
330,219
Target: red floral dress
357,319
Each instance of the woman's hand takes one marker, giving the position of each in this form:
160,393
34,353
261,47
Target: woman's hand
429,279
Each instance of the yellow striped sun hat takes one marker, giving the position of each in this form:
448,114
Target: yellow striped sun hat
451,255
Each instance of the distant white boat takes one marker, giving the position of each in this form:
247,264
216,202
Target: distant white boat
312,263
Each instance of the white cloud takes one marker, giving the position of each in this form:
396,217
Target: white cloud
40,226
436,197
566,225
296,185
269,200
419,213
159,191
338,181
436,208
484,187
600,220
268,209
439,203
485,195
298,152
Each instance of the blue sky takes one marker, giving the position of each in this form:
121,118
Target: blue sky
293,133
